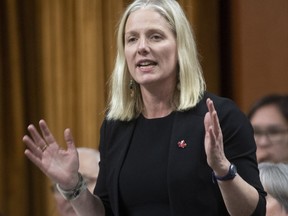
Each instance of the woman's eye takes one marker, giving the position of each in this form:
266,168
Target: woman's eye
156,37
130,39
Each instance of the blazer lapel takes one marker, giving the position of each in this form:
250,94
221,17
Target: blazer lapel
119,151
184,160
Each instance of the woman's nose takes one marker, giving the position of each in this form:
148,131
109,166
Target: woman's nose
143,47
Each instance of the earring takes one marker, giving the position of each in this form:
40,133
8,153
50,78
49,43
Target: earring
131,87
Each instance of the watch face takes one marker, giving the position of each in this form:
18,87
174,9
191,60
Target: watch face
233,169
230,175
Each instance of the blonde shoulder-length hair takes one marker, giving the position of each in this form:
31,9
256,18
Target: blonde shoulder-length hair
191,85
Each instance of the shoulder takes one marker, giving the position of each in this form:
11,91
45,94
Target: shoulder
230,116
222,105
116,125
227,110
220,102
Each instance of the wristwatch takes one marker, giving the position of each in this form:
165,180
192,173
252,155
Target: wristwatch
229,176
75,192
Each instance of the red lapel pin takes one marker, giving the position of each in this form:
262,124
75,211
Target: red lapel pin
182,144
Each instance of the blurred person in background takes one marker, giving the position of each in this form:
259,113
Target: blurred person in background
269,118
89,159
274,178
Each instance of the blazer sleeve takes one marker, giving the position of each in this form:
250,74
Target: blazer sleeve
240,147
101,185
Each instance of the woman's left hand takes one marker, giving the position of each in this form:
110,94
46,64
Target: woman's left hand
216,158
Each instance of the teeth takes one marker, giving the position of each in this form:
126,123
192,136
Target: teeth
147,63
144,63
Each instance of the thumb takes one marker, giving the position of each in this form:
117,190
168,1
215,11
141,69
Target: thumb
69,139
207,121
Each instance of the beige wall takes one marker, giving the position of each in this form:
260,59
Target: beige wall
259,49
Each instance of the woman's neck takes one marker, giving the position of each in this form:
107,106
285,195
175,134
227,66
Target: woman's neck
157,105
156,112
158,98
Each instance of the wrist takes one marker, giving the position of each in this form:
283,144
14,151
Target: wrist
73,182
223,169
230,174
73,193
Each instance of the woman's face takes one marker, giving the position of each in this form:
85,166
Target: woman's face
273,207
150,49
271,134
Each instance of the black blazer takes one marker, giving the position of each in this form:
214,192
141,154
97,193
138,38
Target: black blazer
190,187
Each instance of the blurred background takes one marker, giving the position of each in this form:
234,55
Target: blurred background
56,57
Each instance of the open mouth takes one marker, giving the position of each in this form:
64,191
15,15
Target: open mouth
146,63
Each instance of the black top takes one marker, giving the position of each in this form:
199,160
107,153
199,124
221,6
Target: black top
143,177
189,184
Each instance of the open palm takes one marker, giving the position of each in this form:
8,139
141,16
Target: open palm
60,165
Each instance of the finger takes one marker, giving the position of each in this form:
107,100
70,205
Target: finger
210,105
211,109
36,160
36,150
214,117
69,139
211,135
37,139
48,136
215,120
207,121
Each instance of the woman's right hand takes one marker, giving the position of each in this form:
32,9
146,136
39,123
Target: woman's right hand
60,165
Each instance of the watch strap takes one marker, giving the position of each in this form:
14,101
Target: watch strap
75,192
229,176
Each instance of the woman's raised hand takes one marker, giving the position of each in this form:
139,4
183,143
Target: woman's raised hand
214,140
60,165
